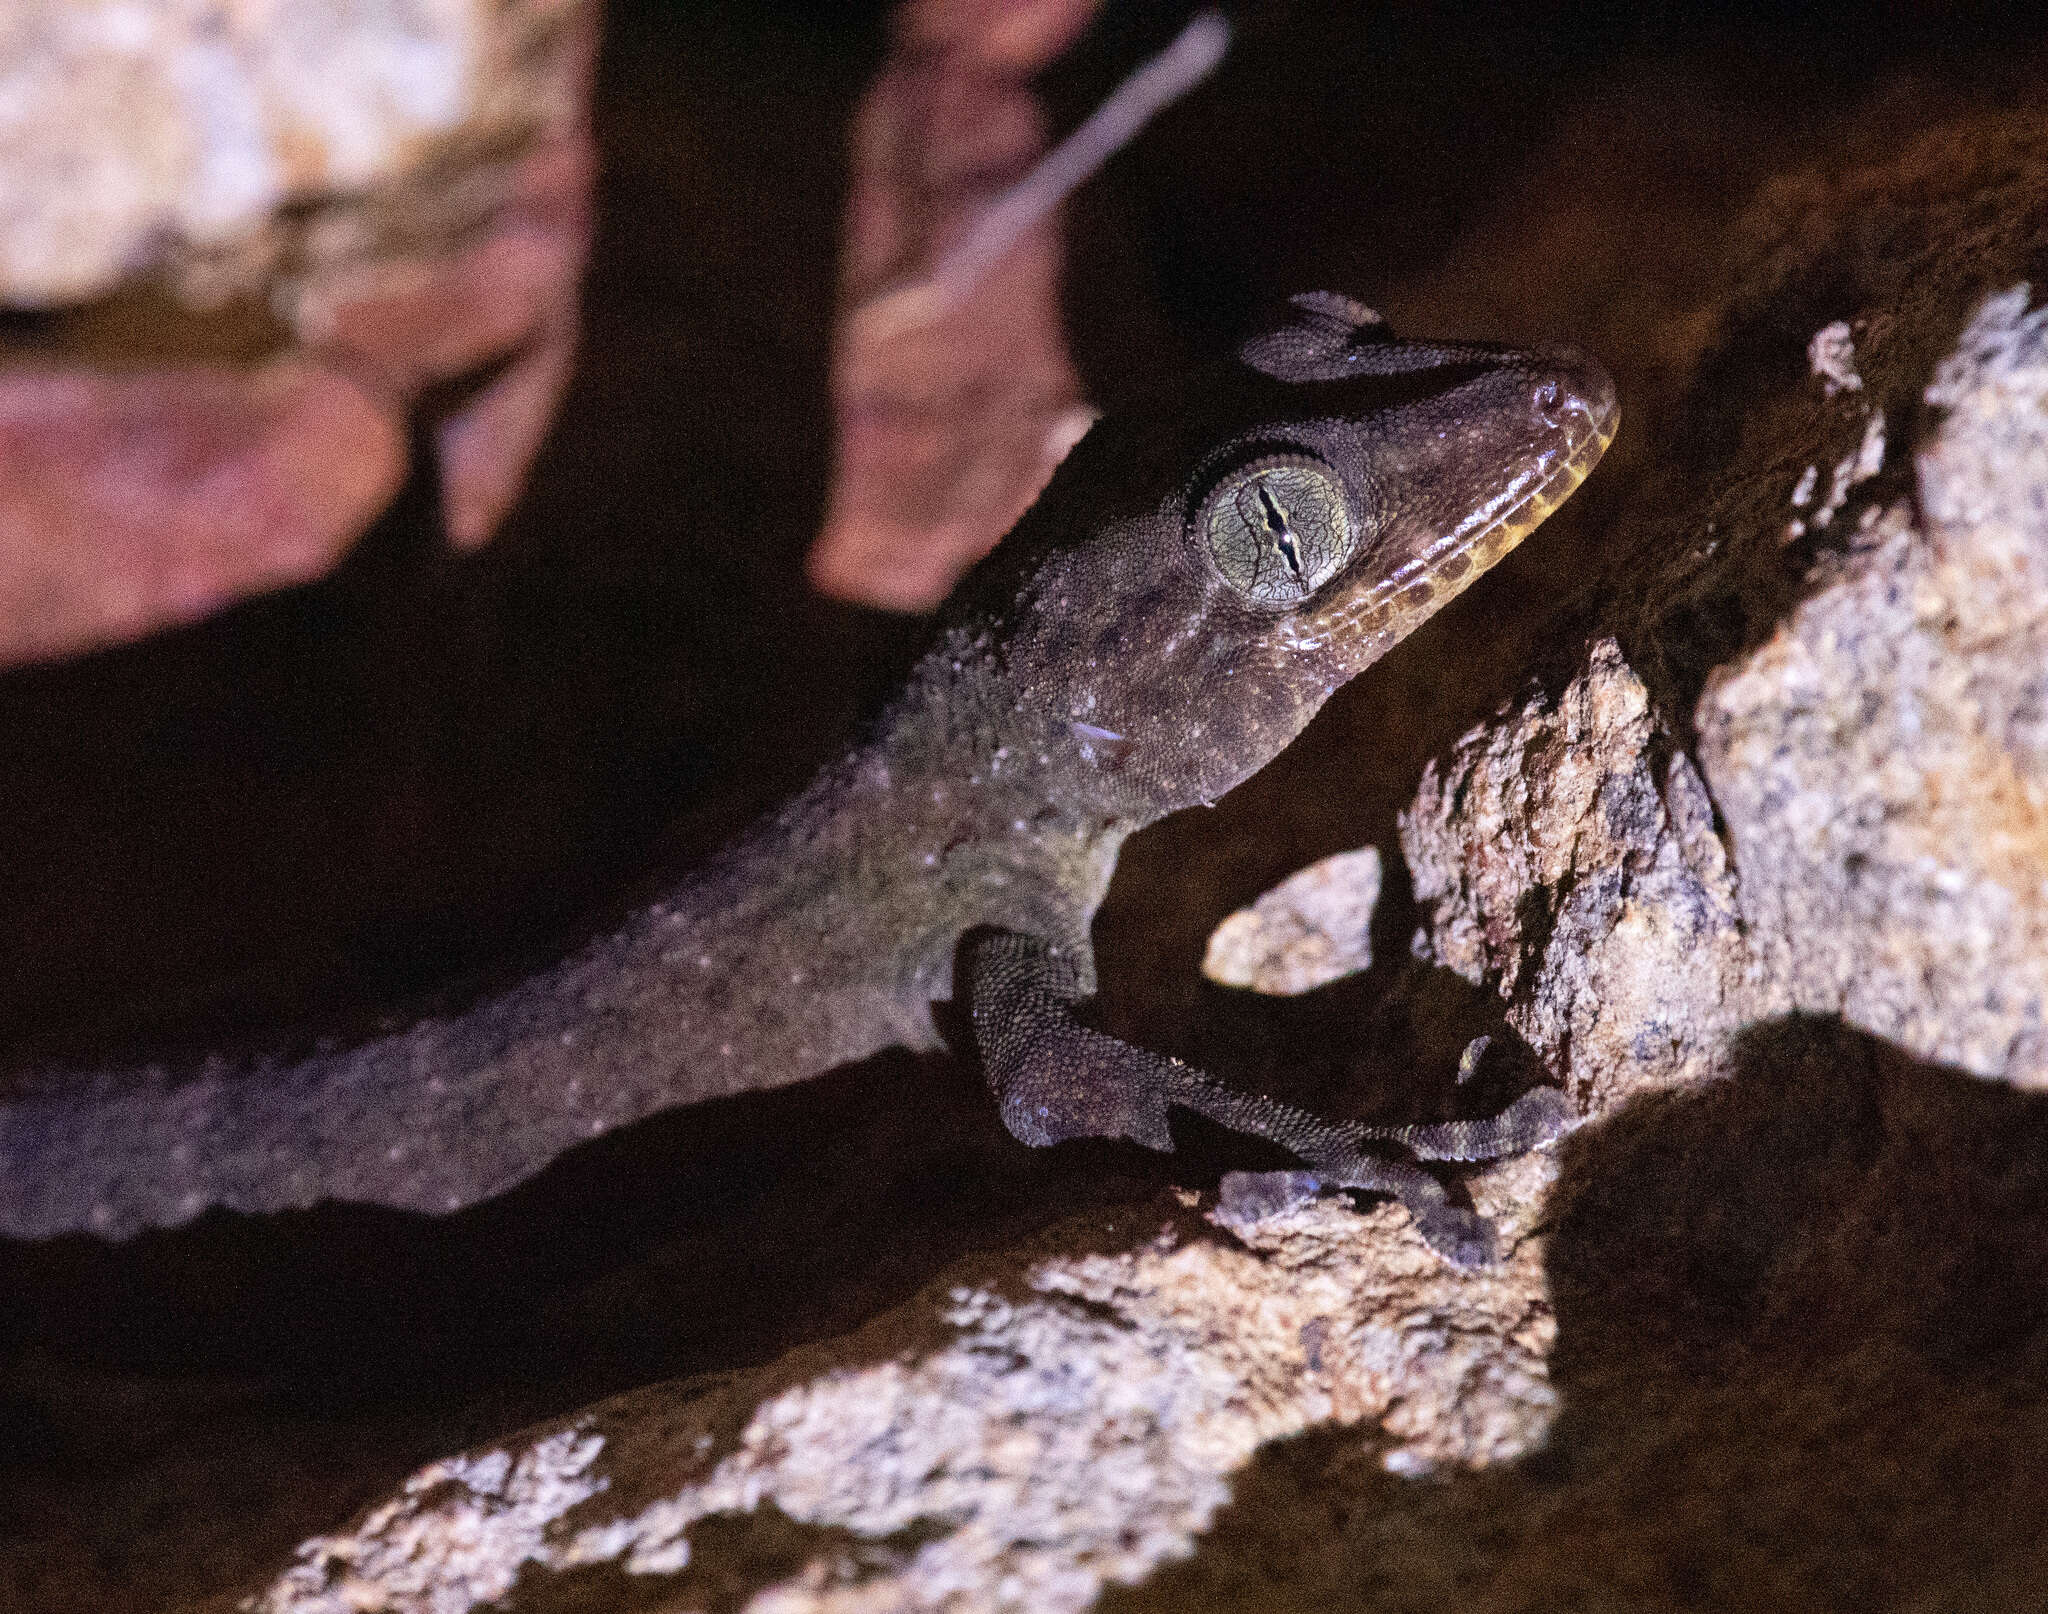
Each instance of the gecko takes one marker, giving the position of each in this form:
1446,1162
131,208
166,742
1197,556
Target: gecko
1195,581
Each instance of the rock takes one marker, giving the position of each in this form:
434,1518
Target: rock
954,396
947,424
998,36
398,197
1881,762
1861,834
1026,1431
143,136
503,299
1560,864
1312,928
130,502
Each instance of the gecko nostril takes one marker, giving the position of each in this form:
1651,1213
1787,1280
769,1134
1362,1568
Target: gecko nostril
1546,401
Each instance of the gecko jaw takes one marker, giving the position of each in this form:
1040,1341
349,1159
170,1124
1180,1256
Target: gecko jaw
1394,606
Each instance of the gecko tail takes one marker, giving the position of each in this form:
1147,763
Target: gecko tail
116,1153
433,1117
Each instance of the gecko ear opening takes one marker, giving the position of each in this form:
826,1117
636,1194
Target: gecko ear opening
1311,342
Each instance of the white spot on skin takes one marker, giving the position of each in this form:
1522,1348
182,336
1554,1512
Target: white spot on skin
1802,491
1091,736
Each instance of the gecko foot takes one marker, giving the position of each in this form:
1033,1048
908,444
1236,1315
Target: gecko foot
1055,1078
1462,1237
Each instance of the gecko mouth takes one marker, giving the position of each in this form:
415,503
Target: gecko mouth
1398,602
1486,545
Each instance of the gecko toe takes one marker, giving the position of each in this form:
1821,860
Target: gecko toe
1462,1237
1246,1198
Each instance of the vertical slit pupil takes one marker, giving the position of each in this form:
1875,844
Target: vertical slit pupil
1276,524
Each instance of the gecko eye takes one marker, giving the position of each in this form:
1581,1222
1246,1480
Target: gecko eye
1278,528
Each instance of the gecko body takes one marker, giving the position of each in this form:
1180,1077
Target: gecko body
1193,584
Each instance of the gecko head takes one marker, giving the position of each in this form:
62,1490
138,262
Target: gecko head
1390,475
1200,578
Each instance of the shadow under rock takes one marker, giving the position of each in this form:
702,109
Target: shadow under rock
1803,1362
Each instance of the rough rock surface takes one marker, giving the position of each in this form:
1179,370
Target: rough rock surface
1561,864
1026,1431
205,208
1881,762
1774,767
1862,834
136,135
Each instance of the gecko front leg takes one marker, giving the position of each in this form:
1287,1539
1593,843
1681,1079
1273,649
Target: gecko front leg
1055,1079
